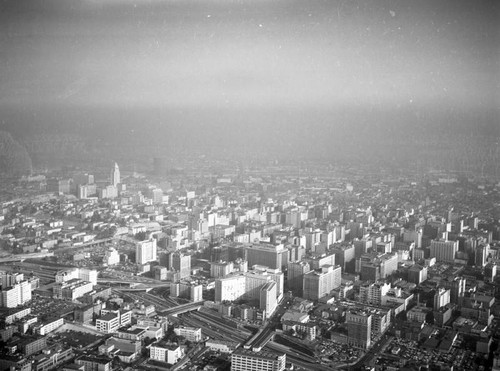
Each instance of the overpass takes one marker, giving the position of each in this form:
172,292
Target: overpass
183,308
137,285
22,257
260,339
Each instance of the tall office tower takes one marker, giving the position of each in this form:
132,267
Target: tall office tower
441,298
481,255
344,254
230,288
444,251
456,285
244,359
276,275
296,271
319,283
260,276
17,294
115,175
145,251
182,264
359,324
388,264
271,256
268,301
253,283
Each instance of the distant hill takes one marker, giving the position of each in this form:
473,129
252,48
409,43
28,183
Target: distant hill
14,158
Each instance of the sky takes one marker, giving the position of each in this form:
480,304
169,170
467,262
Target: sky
279,65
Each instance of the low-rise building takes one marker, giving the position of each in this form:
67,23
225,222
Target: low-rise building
165,352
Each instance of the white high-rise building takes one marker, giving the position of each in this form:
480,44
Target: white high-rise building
444,250
18,294
441,298
145,251
115,175
230,288
321,282
268,300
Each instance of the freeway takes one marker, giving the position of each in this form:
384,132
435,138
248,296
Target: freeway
207,330
216,327
298,359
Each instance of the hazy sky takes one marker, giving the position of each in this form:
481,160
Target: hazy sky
67,61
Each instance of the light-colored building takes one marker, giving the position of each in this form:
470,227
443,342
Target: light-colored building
182,264
49,326
268,301
245,360
18,294
444,250
111,321
319,283
192,334
162,351
112,257
441,298
372,293
223,346
230,288
72,290
274,257
115,175
84,274
95,363
145,251
221,269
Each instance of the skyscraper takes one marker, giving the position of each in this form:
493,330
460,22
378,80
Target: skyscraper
441,298
115,175
320,282
182,264
145,251
359,324
444,251
296,271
